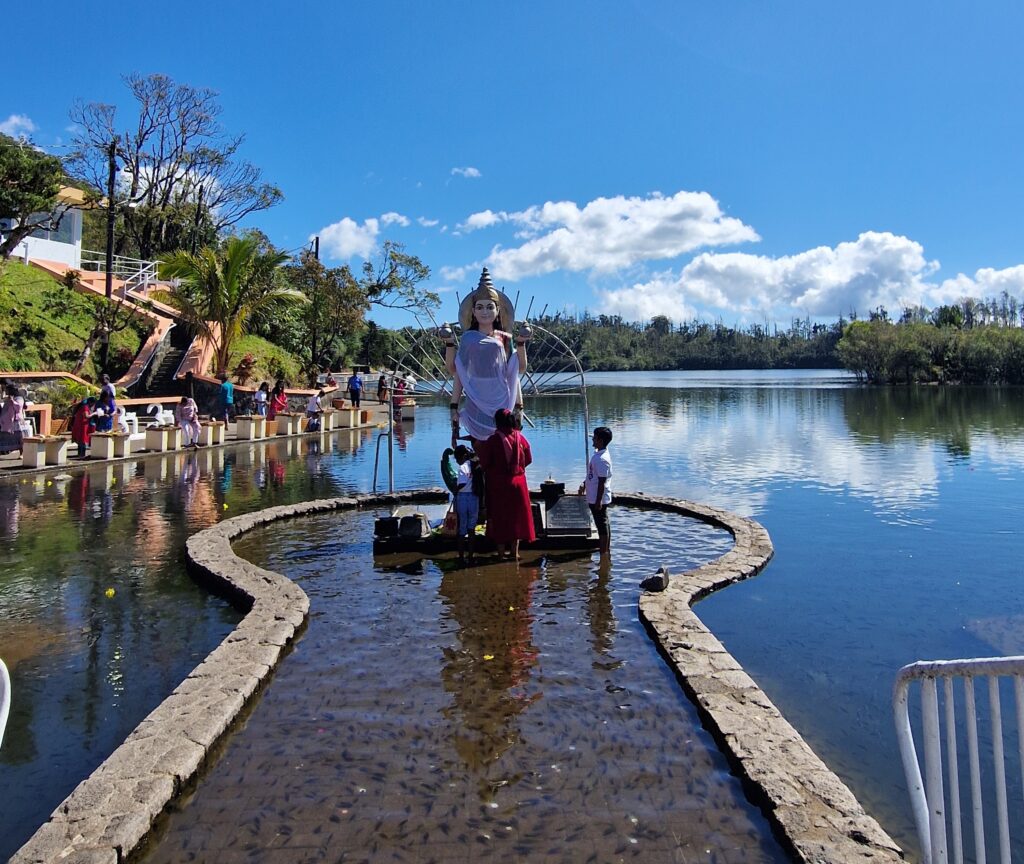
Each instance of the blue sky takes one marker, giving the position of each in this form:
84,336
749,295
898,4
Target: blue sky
739,161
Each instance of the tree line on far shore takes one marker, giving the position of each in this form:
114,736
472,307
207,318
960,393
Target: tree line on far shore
972,342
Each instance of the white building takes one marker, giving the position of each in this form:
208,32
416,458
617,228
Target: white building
64,243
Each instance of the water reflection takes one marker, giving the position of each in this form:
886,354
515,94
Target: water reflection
488,673
488,714
894,512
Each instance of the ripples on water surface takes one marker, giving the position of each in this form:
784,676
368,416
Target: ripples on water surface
894,512
432,713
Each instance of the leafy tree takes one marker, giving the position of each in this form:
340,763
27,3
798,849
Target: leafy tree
223,291
180,173
29,183
393,278
335,308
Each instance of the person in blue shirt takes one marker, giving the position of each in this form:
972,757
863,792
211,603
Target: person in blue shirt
227,397
355,387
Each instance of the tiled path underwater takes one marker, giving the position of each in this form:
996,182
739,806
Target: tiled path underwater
435,714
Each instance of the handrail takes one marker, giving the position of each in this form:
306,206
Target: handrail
927,794
5,699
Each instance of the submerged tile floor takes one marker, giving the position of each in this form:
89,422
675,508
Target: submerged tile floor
492,714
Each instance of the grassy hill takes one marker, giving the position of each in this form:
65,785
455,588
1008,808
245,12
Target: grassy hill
44,326
272,362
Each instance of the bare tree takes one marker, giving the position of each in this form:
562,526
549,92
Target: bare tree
181,178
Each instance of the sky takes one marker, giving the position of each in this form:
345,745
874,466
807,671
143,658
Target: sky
743,162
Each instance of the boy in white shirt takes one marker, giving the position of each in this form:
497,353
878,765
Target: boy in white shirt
467,499
598,485
314,410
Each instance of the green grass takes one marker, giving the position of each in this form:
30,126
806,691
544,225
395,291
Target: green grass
272,362
44,326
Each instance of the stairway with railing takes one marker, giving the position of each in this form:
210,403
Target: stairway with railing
135,274
163,380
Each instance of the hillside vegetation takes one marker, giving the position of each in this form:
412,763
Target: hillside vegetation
44,326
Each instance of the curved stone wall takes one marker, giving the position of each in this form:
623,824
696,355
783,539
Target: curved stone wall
108,815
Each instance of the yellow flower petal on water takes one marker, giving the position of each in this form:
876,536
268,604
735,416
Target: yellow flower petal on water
225,506
110,592
511,608
49,482
488,656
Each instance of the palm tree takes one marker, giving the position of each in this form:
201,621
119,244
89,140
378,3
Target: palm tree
222,291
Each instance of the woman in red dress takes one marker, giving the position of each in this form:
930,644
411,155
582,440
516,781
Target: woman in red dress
504,457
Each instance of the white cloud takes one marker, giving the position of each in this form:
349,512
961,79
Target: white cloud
484,219
468,171
347,237
392,218
427,223
17,126
986,282
878,268
610,234
456,274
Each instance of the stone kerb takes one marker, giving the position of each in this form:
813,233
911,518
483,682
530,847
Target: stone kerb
814,812
109,813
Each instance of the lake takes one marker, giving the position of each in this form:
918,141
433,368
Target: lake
893,512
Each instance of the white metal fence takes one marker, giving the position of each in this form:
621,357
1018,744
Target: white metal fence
5,699
936,797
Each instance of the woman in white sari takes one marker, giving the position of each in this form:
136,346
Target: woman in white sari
485,368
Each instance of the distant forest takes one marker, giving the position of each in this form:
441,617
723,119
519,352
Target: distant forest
607,343
971,342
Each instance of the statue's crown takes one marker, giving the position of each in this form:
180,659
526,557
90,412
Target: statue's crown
485,288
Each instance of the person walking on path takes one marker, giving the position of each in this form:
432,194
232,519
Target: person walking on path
598,485
227,398
355,387
504,457
186,415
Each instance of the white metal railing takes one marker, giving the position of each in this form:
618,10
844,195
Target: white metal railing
936,804
136,273
5,699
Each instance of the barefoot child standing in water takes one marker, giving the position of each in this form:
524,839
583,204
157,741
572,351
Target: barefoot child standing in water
598,485
467,499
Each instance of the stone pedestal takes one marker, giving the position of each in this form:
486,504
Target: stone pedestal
57,450
33,451
250,427
289,423
212,433
327,420
40,450
162,439
348,418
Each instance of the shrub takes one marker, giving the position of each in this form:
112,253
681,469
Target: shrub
244,369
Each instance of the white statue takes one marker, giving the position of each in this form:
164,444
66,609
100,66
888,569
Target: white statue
489,360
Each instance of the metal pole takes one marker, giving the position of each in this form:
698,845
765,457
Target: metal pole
112,166
316,251
391,436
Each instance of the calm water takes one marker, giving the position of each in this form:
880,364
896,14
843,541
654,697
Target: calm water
893,511
435,713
